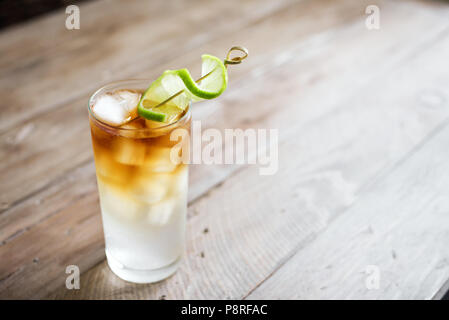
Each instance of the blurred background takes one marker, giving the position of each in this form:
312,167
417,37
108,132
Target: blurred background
358,91
12,12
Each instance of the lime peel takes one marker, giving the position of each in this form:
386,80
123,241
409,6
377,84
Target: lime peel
170,94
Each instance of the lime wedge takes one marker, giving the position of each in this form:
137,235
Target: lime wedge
180,83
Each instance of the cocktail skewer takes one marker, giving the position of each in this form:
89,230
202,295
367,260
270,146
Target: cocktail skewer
227,61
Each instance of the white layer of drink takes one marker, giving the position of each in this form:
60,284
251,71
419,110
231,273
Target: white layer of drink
143,194
142,234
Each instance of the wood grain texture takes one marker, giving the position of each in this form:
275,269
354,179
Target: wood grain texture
44,157
397,225
20,223
146,33
246,244
337,136
49,163
31,143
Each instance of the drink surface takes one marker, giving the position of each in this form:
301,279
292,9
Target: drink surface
143,193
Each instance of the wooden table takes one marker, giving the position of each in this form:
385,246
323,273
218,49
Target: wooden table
363,120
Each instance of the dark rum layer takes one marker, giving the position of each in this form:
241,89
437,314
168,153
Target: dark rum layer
125,155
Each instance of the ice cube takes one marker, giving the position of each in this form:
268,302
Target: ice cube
159,214
108,109
159,160
112,172
180,182
129,151
118,204
150,187
116,108
128,99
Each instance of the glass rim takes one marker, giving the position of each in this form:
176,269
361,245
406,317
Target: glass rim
185,117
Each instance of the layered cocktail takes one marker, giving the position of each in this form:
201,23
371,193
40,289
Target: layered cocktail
140,138
143,189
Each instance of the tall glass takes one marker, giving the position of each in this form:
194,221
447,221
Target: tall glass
143,192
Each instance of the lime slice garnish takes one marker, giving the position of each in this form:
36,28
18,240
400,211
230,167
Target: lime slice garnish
180,84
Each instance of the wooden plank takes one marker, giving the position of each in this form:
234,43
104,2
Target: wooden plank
39,259
28,222
23,147
343,146
268,105
397,226
114,42
27,214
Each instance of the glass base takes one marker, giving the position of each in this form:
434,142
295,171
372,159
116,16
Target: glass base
141,276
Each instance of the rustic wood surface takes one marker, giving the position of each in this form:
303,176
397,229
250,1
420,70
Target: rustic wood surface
363,119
